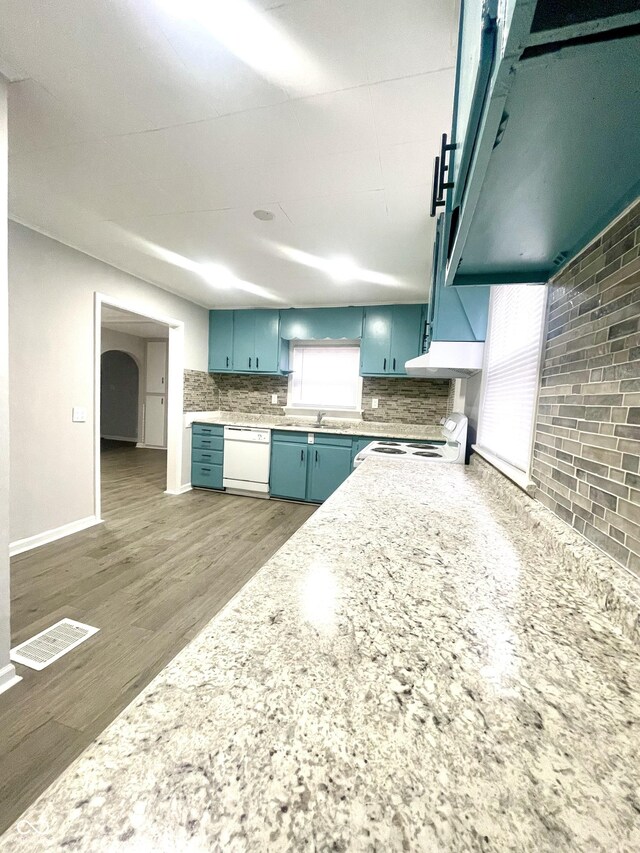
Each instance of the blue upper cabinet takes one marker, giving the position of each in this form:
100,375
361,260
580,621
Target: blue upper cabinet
313,324
455,313
220,341
267,341
546,134
391,335
246,341
375,349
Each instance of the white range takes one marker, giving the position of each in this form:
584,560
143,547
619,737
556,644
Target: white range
452,447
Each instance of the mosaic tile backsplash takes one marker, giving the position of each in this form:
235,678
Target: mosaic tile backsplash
587,447
200,392
416,401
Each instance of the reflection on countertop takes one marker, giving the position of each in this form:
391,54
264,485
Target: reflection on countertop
337,426
411,671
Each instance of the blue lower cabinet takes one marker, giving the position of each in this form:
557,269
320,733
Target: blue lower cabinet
207,454
288,476
328,468
206,476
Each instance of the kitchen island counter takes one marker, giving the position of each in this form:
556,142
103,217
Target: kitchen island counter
411,671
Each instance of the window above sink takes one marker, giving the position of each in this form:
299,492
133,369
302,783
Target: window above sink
325,377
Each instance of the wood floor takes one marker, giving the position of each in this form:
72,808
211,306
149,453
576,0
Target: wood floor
150,578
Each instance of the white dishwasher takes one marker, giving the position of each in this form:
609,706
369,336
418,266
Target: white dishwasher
247,452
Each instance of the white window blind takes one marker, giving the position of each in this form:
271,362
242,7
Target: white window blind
325,377
511,372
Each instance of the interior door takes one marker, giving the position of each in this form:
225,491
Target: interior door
156,367
155,420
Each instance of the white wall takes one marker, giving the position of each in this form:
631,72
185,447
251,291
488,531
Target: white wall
51,313
7,672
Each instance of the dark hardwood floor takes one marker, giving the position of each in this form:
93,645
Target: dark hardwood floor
150,578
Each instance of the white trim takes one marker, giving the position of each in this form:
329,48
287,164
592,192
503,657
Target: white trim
8,677
175,390
30,542
131,439
181,491
520,478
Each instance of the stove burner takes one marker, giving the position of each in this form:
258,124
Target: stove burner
390,443
423,446
425,453
388,450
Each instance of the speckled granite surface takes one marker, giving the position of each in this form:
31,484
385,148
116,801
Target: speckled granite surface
615,588
332,425
410,672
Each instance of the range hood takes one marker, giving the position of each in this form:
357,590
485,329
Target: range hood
447,360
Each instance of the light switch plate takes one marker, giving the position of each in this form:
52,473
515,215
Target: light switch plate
374,402
311,439
78,415
274,399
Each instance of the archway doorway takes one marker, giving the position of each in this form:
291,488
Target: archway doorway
119,397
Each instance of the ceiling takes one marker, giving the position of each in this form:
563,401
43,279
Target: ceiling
146,132
131,324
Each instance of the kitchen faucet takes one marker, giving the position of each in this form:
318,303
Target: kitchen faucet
319,418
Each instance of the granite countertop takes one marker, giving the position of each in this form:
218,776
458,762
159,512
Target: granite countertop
337,426
411,671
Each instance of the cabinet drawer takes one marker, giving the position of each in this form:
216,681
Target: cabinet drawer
207,442
207,476
207,429
323,438
207,457
291,437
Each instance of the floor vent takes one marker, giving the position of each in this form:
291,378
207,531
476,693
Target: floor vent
50,644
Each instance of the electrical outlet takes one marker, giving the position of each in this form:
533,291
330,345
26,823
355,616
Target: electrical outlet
374,402
274,399
78,415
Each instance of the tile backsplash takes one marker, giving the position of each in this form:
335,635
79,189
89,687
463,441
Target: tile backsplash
400,400
200,392
587,444
410,401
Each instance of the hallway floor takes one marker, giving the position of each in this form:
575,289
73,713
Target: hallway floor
150,578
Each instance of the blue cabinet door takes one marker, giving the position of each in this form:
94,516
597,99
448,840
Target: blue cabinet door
375,349
288,475
244,336
220,340
328,468
406,334
266,341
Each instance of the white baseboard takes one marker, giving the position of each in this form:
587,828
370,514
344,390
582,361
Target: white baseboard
129,438
21,545
151,447
181,491
8,677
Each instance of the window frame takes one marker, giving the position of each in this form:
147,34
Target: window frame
296,408
522,477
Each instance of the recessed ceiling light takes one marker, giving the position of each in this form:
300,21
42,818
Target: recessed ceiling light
264,215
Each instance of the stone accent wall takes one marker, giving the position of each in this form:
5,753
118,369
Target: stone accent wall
416,401
586,463
409,401
200,392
